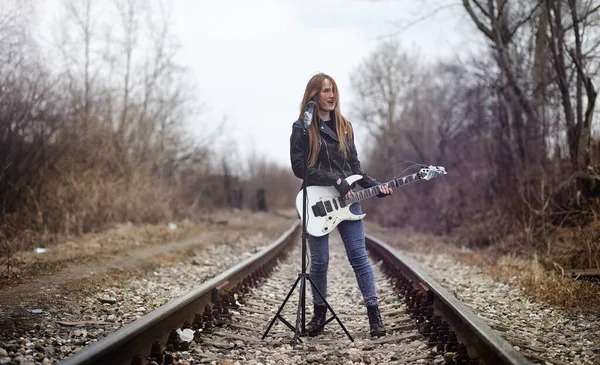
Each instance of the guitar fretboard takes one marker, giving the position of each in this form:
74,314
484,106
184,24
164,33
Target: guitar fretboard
370,192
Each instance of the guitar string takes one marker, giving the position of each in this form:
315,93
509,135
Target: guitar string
413,165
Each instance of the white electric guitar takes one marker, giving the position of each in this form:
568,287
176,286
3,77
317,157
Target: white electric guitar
326,209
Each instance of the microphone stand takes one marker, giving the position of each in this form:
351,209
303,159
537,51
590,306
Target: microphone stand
300,328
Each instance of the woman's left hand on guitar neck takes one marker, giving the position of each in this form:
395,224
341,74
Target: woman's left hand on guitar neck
384,189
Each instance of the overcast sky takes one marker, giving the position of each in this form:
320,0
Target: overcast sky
251,60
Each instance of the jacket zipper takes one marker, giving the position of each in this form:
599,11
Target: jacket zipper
328,159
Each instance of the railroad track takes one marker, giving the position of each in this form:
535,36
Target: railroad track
229,315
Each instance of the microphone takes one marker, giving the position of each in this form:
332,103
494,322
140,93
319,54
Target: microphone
308,114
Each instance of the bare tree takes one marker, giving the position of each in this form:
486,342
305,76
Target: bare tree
556,35
79,31
578,124
381,83
386,86
431,114
29,118
502,23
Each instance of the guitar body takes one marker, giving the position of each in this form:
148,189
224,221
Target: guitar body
325,208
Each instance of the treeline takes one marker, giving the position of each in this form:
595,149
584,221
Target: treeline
95,125
94,130
513,125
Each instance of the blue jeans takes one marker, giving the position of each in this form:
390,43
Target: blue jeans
353,236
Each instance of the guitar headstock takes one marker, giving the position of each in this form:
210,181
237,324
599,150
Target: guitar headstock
429,172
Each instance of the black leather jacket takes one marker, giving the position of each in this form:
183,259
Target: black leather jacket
331,163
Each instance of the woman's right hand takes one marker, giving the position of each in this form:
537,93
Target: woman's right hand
342,186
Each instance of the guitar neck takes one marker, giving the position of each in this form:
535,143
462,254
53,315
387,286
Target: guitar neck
370,192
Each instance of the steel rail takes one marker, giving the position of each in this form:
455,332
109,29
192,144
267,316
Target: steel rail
481,340
121,346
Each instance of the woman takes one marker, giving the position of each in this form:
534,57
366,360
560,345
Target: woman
332,157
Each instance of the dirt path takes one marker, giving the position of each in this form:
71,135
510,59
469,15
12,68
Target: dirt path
82,266
23,294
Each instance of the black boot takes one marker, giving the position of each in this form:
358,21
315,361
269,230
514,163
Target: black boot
314,327
375,321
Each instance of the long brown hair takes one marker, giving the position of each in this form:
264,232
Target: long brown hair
342,126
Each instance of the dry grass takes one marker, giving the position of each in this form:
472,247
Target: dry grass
537,280
543,284
549,286
539,261
572,247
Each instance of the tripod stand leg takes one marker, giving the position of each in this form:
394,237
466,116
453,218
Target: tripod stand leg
331,309
300,313
277,315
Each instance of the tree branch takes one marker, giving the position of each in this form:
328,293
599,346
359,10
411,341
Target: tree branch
524,21
488,32
481,8
420,19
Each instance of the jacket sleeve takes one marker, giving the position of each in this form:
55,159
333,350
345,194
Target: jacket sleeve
367,181
315,176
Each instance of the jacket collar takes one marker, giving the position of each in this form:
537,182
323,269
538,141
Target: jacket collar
324,128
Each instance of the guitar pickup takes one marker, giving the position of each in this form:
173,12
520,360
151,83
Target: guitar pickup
328,207
319,210
342,202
